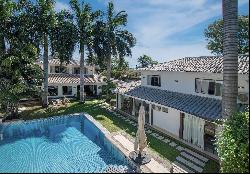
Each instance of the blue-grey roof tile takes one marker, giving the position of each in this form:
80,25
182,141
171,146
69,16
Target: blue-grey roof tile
204,107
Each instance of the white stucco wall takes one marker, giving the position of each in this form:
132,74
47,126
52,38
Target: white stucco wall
60,92
169,121
186,81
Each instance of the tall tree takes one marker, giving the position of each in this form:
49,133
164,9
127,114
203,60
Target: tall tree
214,36
63,36
17,82
85,19
44,20
145,61
112,39
120,41
18,49
230,58
7,8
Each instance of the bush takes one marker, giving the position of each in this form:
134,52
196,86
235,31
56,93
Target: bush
233,143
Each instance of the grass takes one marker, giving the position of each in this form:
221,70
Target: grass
113,124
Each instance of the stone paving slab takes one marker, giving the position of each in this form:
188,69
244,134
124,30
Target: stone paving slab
196,155
172,144
134,124
156,167
182,167
193,159
154,134
153,165
180,148
189,164
160,137
166,140
131,122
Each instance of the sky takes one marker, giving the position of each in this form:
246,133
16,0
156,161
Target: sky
165,29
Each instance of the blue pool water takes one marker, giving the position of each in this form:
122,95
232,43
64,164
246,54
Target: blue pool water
59,144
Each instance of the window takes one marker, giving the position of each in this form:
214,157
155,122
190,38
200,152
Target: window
76,70
157,108
63,69
53,90
57,69
154,80
211,87
153,106
164,109
67,90
52,69
208,86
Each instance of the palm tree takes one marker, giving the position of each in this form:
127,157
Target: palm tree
44,19
85,21
120,40
230,58
63,37
112,40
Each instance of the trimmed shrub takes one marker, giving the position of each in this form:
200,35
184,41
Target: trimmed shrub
233,144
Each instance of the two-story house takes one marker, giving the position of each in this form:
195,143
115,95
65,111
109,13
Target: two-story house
182,98
64,80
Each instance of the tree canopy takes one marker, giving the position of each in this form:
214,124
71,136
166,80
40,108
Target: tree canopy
63,36
145,61
214,36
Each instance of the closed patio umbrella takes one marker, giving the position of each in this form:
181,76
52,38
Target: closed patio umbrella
140,141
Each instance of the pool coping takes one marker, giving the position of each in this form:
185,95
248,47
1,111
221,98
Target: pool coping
109,137
123,150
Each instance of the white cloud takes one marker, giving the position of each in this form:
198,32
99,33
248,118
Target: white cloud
163,54
61,6
155,22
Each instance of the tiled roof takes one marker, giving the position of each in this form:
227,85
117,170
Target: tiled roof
123,87
204,107
73,78
57,62
213,64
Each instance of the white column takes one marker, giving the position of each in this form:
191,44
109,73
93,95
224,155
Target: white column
150,112
60,92
119,101
133,111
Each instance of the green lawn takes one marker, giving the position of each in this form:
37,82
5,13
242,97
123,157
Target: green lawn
113,124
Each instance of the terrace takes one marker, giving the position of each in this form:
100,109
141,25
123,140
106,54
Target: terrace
164,149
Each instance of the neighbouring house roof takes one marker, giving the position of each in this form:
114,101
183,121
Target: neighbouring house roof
212,64
74,78
123,87
203,107
57,62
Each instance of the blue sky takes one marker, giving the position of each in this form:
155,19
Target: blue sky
166,29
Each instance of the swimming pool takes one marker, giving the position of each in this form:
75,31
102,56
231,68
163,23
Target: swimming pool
58,144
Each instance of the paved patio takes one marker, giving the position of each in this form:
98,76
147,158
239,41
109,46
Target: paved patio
188,161
153,166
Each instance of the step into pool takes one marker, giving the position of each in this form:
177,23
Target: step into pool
58,145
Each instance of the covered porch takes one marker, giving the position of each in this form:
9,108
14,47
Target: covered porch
188,128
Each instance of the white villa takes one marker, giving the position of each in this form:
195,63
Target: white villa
182,98
65,81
